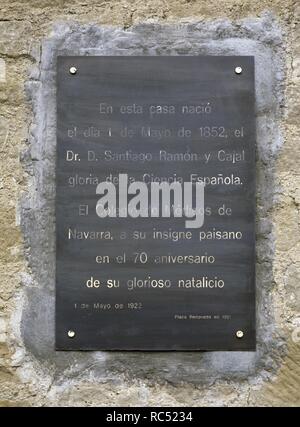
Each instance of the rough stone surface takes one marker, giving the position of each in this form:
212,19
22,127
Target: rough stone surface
31,36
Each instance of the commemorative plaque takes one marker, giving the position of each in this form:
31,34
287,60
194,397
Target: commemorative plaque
155,203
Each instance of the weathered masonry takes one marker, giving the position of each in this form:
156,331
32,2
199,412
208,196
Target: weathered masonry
33,36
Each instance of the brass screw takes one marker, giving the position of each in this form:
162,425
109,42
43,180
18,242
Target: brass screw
238,70
239,334
71,334
73,70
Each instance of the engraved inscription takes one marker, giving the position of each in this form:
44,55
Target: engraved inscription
155,203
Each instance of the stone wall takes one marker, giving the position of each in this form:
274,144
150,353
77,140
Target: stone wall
31,35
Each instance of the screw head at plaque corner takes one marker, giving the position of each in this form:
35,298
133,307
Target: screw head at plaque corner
239,334
238,70
73,70
71,334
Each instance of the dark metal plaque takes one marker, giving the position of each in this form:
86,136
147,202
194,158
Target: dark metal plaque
142,264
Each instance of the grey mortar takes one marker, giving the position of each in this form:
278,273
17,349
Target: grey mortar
261,37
